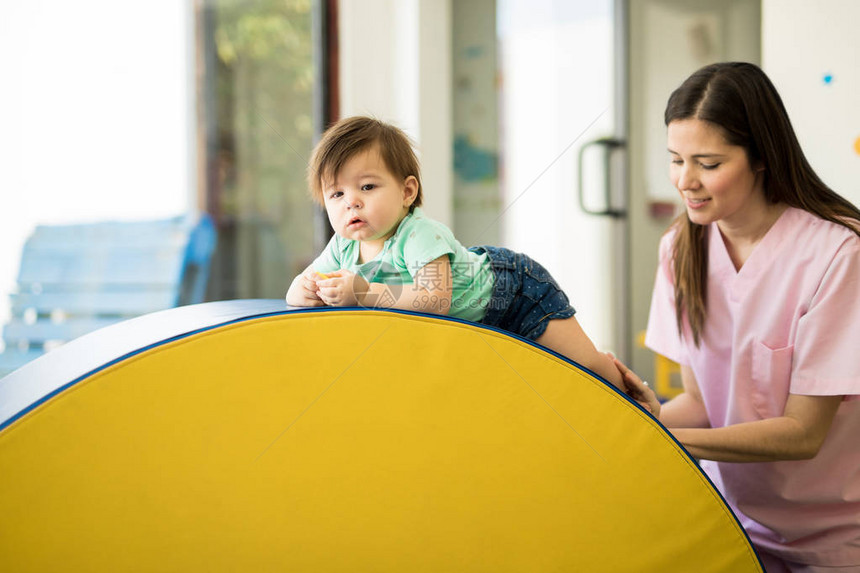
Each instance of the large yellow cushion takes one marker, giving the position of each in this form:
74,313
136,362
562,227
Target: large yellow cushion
353,441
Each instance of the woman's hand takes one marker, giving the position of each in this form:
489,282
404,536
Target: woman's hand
637,389
342,288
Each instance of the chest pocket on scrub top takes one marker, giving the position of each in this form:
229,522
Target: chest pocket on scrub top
771,378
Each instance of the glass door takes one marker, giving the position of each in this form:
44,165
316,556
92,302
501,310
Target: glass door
562,122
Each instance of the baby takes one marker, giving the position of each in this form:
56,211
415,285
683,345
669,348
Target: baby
386,253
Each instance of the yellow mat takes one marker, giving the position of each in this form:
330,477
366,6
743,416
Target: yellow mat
353,441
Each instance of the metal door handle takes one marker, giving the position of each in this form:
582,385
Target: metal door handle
608,144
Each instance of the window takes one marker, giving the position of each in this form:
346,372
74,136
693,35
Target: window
263,99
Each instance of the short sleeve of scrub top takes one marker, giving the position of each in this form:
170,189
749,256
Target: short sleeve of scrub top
828,334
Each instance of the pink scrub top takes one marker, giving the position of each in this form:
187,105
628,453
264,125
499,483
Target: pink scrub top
787,323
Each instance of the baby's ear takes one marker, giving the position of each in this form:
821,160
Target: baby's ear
410,190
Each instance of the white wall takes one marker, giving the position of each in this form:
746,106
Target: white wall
395,65
802,42
95,115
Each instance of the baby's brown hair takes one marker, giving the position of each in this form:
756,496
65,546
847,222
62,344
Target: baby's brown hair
353,135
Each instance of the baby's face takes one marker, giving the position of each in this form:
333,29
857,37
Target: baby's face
366,202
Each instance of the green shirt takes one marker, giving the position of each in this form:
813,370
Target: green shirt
418,241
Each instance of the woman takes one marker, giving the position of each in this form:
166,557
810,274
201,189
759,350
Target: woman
757,298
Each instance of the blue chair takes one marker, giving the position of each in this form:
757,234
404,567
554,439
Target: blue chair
75,279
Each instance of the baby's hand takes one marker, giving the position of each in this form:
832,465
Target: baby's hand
303,291
342,288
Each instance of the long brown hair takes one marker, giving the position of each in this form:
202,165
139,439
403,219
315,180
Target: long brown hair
740,99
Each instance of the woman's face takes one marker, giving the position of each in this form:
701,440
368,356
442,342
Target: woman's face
715,179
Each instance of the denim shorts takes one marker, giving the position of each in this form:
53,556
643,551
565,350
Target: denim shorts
525,296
